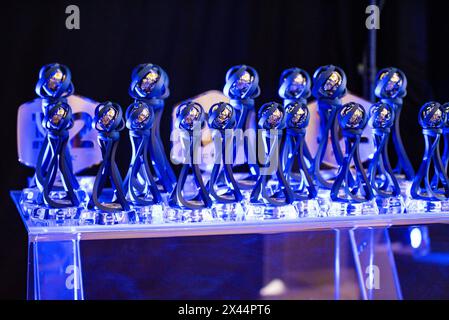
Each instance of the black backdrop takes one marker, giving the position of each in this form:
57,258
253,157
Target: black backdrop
196,42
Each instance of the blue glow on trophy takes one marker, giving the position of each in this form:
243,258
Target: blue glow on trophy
58,200
305,192
54,85
140,186
190,119
391,84
445,155
227,195
329,86
383,181
295,87
242,87
110,206
351,191
425,196
272,195
150,84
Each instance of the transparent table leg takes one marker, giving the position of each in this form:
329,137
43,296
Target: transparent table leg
374,264
54,270
337,283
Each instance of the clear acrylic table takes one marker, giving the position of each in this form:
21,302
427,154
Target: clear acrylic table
340,257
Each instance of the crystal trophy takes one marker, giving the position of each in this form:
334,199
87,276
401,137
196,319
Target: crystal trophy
54,85
295,87
108,206
227,195
149,83
140,186
425,196
383,181
329,86
391,84
445,155
49,200
305,192
271,198
351,192
242,87
183,207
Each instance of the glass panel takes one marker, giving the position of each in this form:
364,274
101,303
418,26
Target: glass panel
56,272
374,262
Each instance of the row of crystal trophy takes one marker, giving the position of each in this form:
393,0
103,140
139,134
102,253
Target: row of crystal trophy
281,177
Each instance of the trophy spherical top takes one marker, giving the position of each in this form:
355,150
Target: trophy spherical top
382,116
432,116
295,84
149,80
139,116
297,115
352,116
108,117
55,80
329,82
332,83
221,116
189,115
59,116
391,83
271,116
242,84
445,108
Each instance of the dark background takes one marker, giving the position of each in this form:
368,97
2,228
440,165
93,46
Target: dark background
196,42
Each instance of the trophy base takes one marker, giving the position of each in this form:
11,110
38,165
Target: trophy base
33,195
177,215
405,185
307,208
246,195
324,201
88,217
30,202
86,183
110,218
229,211
149,214
391,205
190,189
353,209
57,215
100,217
426,206
264,212
30,195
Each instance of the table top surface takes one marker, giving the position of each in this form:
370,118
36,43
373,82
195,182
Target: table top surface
40,232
